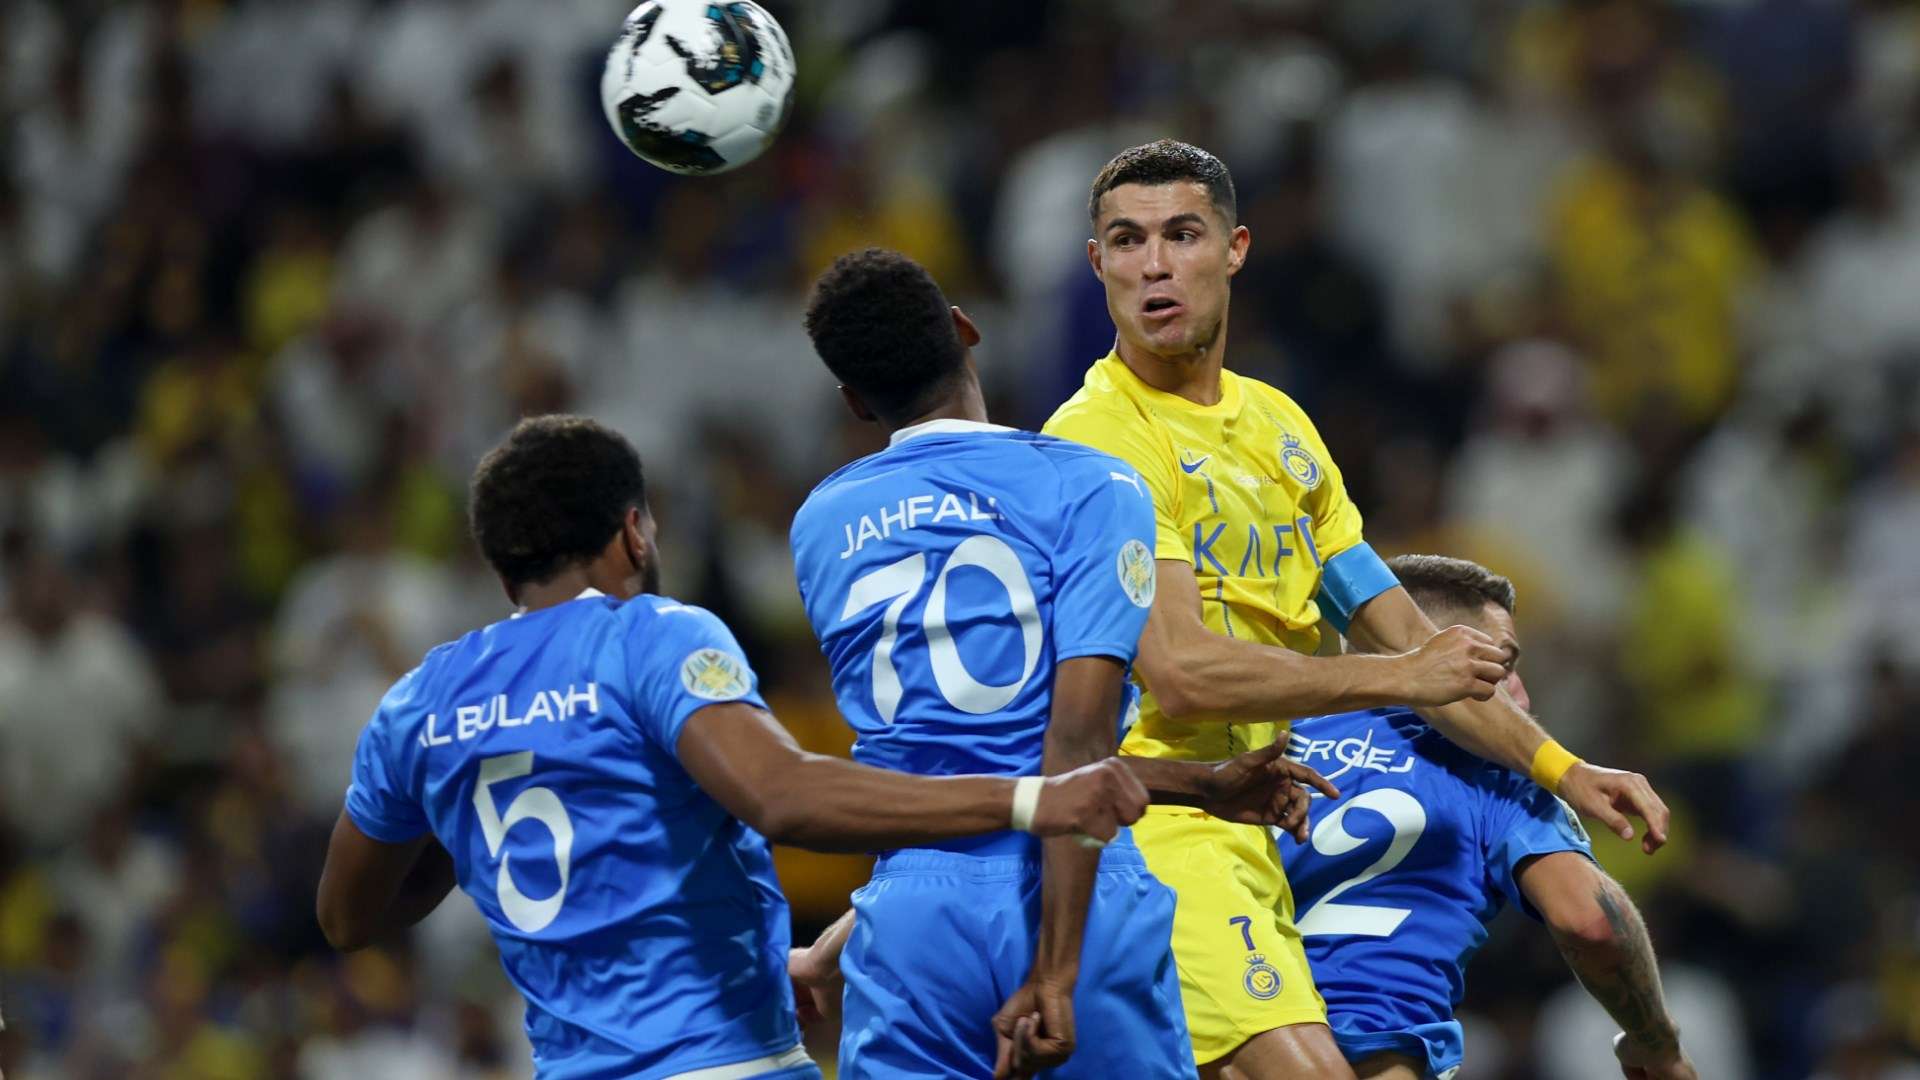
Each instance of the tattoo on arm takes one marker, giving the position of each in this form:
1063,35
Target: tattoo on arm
1621,975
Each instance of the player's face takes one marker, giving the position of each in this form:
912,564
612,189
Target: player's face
1497,623
1166,256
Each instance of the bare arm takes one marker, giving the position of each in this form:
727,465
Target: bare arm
368,887
1498,730
742,757
1086,699
1194,672
1604,941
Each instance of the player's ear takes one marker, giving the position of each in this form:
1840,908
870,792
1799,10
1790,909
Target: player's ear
1237,243
1093,256
633,536
969,333
856,406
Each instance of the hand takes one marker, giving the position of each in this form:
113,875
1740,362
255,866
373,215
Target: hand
1093,800
1610,795
1637,1063
1458,662
1034,1029
1261,787
817,987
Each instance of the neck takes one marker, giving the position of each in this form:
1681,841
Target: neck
967,404
1194,375
565,586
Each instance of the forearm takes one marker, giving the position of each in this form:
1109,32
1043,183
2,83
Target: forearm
1495,730
1615,963
1067,868
830,804
1170,782
1218,677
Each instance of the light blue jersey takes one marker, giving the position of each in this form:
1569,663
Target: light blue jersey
946,577
641,921
1403,873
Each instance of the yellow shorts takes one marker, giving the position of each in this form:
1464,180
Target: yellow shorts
1242,967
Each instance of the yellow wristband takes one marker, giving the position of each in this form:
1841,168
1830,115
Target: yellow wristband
1550,763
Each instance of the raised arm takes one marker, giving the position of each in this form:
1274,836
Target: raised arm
742,757
1194,672
1604,941
1497,729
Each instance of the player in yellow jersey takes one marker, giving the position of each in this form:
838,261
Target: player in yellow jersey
1257,545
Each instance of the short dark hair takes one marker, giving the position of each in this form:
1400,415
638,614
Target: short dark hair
553,494
885,330
1166,161
1439,583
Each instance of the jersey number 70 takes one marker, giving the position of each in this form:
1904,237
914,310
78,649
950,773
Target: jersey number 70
899,582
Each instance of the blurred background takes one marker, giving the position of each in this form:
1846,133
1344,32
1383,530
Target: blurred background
1620,297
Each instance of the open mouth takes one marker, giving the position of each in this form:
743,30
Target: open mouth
1160,305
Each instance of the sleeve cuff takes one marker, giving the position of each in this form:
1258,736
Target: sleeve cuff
1349,580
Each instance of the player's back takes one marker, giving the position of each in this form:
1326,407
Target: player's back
641,921
947,575
1404,871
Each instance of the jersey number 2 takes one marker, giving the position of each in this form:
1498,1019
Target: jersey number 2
1331,838
901,581
543,806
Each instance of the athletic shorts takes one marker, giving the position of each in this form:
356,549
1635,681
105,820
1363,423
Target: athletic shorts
1243,969
941,940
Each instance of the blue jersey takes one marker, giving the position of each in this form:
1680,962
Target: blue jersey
946,576
1404,871
641,921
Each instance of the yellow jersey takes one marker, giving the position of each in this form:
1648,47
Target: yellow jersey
1246,493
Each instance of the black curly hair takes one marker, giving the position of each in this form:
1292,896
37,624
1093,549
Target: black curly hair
1166,161
552,495
886,331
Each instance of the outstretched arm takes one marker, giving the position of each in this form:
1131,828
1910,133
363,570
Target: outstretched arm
1604,941
1193,671
742,757
1497,729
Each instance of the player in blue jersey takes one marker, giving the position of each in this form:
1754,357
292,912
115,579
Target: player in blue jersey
979,593
1398,880
600,775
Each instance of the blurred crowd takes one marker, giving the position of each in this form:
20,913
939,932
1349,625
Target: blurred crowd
1620,297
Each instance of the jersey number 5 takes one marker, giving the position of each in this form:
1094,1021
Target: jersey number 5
543,806
901,581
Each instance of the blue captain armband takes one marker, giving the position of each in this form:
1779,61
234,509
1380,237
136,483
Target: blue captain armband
1349,580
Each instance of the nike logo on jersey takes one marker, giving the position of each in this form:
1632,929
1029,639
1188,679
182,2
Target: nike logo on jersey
1195,467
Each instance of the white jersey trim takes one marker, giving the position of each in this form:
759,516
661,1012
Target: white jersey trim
745,1070
950,426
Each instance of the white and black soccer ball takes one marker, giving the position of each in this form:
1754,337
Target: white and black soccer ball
698,86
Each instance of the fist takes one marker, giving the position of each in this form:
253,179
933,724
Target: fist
1093,800
1458,662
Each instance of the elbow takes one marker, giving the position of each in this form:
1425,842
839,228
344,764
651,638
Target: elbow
342,931
1583,926
780,815
1178,695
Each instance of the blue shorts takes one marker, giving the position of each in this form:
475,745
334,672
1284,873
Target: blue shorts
1440,1046
941,940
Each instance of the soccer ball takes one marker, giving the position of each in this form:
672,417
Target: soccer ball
698,86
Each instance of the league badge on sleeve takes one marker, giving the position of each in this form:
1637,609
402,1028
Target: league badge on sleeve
1136,573
1298,462
714,675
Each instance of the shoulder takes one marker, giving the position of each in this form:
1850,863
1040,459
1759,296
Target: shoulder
664,614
